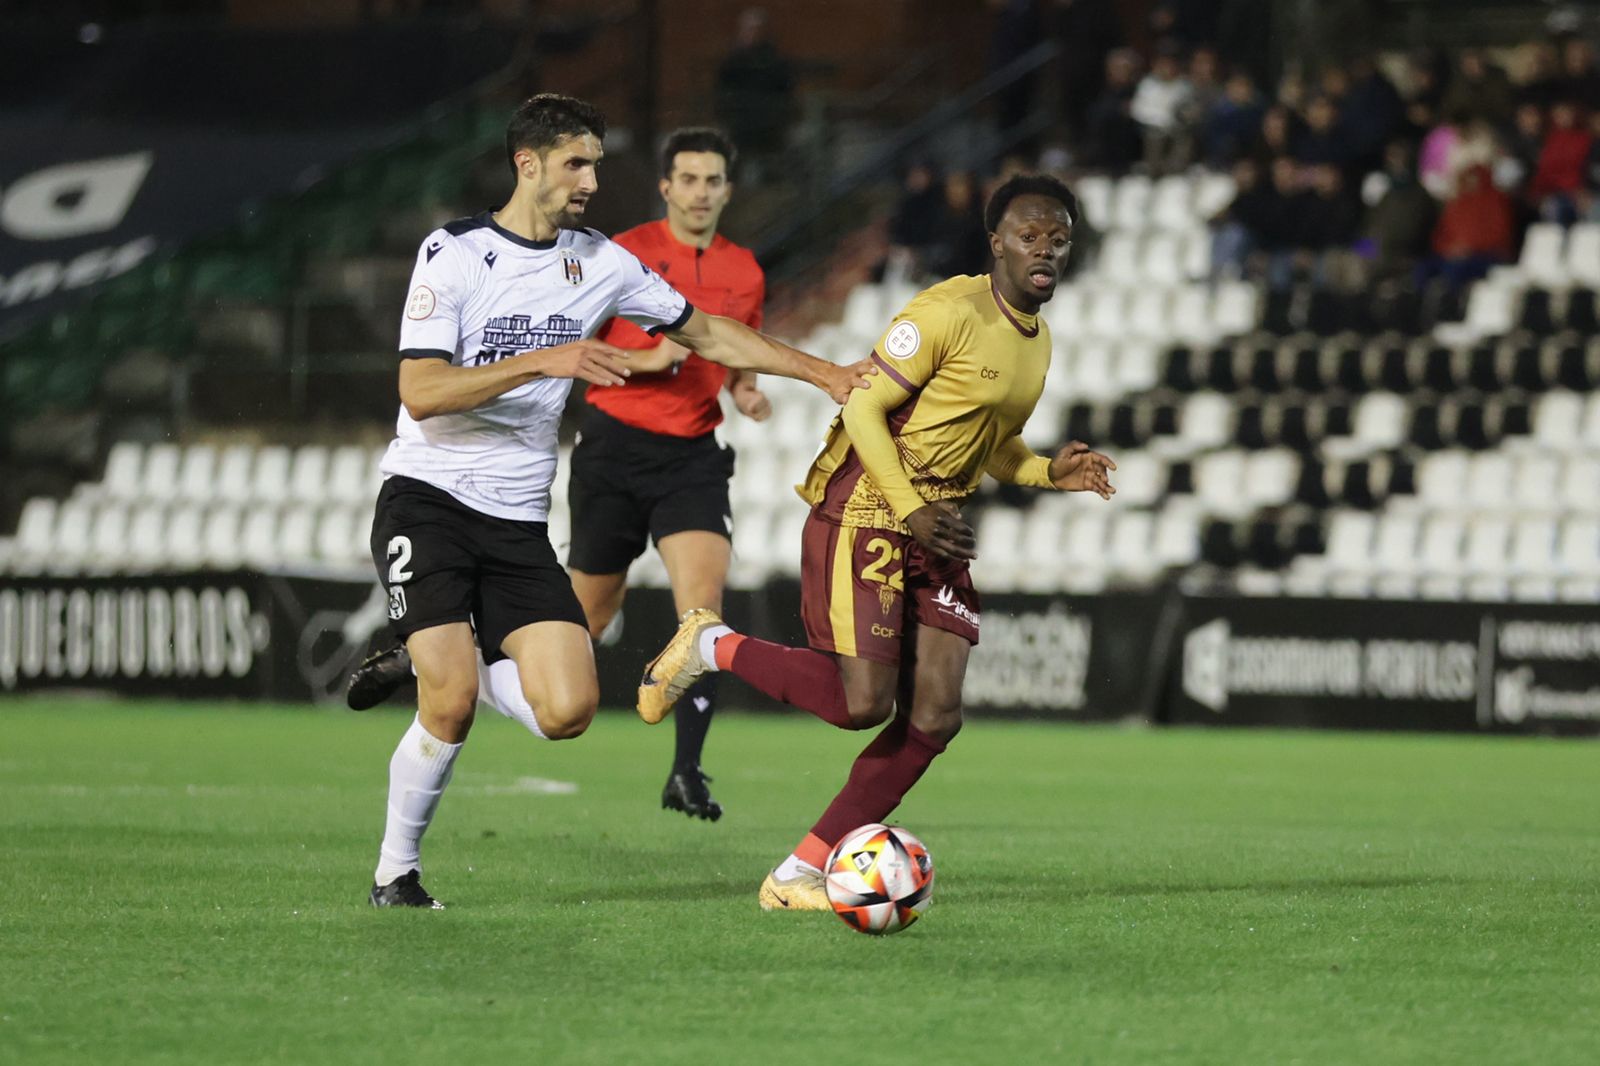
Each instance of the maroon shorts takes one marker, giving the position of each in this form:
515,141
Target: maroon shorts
863,590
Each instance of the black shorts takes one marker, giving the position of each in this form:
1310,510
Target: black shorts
630,486
441,561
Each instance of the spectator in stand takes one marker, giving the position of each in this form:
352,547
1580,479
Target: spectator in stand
1116,141
1162,106
1542,85
755,95
963,246
1278,137
1557,189
1425,77
1324,141
1205,82
1524,141
1435,158
1580,78
1399,225
1282,234
1016,29
1476,230
1230,127
1237,228
917,224
1479,88
1331,227
1370,112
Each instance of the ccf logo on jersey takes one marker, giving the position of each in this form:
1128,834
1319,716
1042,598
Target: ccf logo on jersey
573,266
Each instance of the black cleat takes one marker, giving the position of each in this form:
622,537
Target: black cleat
686,791
376,679
405,891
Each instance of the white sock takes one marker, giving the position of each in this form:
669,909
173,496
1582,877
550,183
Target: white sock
418,774
500,686
793,867
708,644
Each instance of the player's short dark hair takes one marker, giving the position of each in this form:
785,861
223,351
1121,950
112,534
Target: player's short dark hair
541,122
1028,185
697,139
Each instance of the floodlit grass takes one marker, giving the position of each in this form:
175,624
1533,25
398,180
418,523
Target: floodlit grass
188,884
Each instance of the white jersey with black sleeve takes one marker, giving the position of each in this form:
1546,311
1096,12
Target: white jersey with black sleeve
480,293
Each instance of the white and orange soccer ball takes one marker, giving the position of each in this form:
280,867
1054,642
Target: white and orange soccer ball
879,878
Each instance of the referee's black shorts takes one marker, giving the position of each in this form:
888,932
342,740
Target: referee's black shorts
441,561
630,486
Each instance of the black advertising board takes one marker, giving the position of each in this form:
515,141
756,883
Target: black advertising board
207,635
1363,664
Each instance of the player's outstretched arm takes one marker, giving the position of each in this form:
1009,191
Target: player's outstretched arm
664,356
734,344
1076,468
430,387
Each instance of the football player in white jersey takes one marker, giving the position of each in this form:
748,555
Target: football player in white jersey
497,325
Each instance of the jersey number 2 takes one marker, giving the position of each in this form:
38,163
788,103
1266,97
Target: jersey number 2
400,553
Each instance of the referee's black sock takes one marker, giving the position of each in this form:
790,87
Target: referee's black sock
693,717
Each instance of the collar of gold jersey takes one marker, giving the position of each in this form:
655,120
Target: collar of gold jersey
1026,324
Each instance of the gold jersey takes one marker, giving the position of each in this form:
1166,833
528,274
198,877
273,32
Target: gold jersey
959,372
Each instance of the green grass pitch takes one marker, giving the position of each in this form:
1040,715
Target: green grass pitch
188,884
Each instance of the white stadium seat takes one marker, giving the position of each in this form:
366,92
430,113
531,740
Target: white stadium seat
1235,310
124,466
1130,208
260,547
347,473
1543,254
184,544
220,539
1557,420
1130,548
198,473
308,476
1177,536
108,539
233,474
270,480
159,476
1172,203
1583,254
147,538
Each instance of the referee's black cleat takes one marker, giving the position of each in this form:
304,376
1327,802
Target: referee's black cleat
405,891
686,791
377,677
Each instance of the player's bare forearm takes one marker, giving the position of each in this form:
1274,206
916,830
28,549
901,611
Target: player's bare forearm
431,387
735,345
663,356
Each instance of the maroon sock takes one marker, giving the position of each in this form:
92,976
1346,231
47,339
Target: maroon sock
799,677
883,773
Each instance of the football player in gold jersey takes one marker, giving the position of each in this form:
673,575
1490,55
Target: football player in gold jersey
886,597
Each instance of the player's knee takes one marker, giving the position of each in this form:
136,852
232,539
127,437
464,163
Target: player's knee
869,708
939,718
446,709
566,717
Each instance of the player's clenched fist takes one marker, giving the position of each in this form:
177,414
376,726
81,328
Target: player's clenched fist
1076,468
593,361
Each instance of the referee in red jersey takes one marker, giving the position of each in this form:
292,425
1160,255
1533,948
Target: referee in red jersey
647,465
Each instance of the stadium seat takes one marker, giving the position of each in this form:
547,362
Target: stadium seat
147,532
1536,482
270,481
1580,484
1000,553
184,543
124,470
1163,259
1583,254
159,476
1139,479
1191,316
1149,314
297,534
1213,192
1579,548
308,476
35,538
348,473
198,472
108,537
336,531
1558,421
221,542
1234,312
1130,208
1379,423
234,472
1120,262
1094,199
1220,483
259,545
1172,203
1129,551
1543,254
1533,547
1176,541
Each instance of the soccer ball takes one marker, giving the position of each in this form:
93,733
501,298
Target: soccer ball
879,879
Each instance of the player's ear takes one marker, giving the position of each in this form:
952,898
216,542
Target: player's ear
995,244
527,163
664,184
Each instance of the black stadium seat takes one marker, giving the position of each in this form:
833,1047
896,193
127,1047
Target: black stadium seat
1527,372
1537,316
1219,375
1425,430
1179,374
1480,368
1438,370
1582,315
1250,429
1180,479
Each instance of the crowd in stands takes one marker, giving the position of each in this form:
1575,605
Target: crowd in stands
1380,168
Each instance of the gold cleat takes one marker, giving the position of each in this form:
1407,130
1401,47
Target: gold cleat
807,892
675,669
